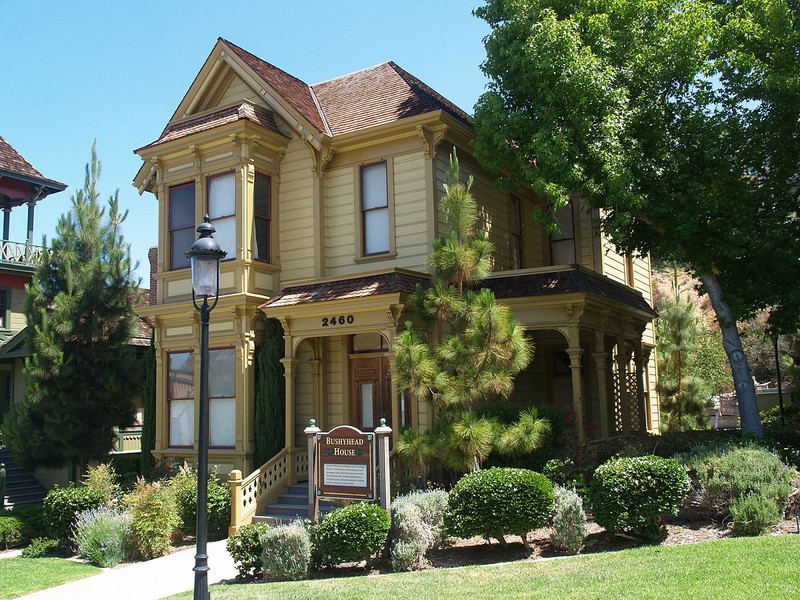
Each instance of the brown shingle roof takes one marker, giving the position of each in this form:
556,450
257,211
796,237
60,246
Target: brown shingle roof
381,94
245,111
294,91
566,282
13,163
357,287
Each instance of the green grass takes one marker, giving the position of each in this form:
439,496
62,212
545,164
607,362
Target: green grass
20,576
762,567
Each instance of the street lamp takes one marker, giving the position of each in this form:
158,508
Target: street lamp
204,255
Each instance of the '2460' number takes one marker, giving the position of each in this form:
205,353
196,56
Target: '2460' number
340,320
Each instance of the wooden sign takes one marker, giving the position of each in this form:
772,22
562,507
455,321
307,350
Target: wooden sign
345,464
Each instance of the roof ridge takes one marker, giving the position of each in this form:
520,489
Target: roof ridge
415,82
243,51
375,66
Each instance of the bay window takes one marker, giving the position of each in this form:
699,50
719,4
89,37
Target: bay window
180,394
262,211
181,224
222,398
222,211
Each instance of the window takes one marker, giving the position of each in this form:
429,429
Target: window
374,209
181,224
517,257
262,201
222,398
3,305
222,211
180,393
562,245
629,271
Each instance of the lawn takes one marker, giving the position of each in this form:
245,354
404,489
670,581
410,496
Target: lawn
746,568
20,576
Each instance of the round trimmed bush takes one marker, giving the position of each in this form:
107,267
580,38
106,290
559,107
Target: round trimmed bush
218,503
62,505
287,552
349,534
633,495
497,502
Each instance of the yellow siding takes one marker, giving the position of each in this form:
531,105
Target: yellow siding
586,235
237,91
303,394
613,263
410,217
335,382
16,307
295,200
340,220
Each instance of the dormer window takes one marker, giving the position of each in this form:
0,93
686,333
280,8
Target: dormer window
222,211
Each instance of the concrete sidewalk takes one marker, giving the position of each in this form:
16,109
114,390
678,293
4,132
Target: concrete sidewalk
150,580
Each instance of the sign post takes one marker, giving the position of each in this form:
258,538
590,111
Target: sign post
313,504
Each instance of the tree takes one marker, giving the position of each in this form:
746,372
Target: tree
678,120
80,314
270,394
482,346
682,393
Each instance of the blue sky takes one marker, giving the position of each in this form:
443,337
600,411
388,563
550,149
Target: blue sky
75,71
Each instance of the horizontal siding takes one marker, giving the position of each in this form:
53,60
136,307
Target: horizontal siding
296,213
586,233
410,216
340,219
16,308
237,91
335,382
303,394
613,262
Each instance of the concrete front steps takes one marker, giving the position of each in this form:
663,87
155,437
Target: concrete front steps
292,504
21,486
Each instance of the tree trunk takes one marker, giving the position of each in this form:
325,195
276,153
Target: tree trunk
740,369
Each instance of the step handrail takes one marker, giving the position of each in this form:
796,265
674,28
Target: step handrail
263,485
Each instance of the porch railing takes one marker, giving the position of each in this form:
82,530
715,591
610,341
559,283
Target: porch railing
129,440
20,253
263,485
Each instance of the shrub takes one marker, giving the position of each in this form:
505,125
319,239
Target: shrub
11,531
563,472
569,521
101,535
103,479
497,502
725,476
62,505
245,548
633,495
33,519
753,515
287,552
41,547
153,517
184,488
351,533
406,555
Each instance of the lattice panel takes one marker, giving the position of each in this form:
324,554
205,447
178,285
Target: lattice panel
633,401
617,400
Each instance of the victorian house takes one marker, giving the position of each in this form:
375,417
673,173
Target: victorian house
325,198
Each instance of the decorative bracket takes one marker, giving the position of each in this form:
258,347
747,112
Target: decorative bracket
431,138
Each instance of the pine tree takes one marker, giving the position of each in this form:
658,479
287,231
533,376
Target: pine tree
80,314
683,395
482,347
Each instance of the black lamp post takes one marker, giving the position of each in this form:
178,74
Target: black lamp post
204,255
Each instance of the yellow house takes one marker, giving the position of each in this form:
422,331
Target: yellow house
325,197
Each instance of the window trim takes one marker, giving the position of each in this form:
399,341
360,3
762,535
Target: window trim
571,206
5,313
170,400
171,230
516,233
361,237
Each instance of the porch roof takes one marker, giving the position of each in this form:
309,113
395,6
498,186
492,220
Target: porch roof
574,280
358,287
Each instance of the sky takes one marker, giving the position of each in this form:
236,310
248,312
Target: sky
77,71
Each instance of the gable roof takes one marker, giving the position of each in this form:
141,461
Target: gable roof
13,164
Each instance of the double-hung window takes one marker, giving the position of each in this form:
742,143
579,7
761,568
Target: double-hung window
517,256
222,398
374,209
180,393
222,211
181,224
562,244
262,210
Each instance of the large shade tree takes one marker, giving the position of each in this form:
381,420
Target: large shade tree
80,314
678,119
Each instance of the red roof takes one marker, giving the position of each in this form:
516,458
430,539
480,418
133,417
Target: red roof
13,163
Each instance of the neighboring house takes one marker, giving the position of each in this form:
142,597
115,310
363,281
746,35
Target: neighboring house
326,198
22,185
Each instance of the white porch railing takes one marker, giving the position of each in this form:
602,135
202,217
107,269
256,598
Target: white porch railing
20,253
263,485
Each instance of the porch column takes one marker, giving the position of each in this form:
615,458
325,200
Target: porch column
638,362
289,377
601,364
575,352
29,242
316,386
6,221
622,380
394,394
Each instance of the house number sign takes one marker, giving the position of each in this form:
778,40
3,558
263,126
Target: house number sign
338,320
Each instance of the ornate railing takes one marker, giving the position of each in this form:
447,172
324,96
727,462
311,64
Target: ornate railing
20,253
128,440
263,485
